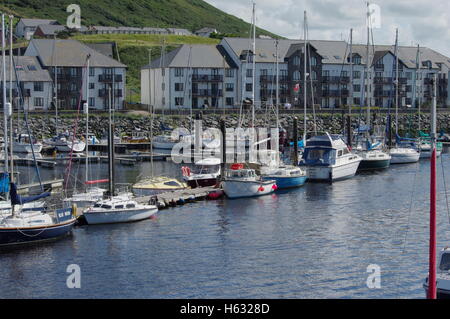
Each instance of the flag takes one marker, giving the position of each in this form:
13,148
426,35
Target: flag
297,87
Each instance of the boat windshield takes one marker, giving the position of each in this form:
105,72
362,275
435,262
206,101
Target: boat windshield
445,262
315,156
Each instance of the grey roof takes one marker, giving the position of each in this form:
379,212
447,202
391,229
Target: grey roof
333,52
28,70
105,48
36,22
176,30
70,53
51,29
194,56
206,29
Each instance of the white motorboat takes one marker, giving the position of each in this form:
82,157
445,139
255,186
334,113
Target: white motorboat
203,173
404,155
327,158
285,176
24,144
156,185
118,209
66,143
165,142
240,182
425,149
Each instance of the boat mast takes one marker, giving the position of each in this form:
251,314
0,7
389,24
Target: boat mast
110,149
86,110
350,105
432,294
304,77
396,82
5,109
10,99
418,81
55,70
254,64
277,84
369,98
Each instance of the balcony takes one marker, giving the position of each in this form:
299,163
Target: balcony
428,81
105,93
273,93
109,78
335,93
335,79
379,67
273,78
207,78
207,93
383,93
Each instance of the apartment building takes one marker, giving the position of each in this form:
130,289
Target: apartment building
334,79
66,62
31,85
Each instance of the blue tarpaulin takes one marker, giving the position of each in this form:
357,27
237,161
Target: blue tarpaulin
4,183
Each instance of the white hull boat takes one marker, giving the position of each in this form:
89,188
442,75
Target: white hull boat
240,183
86,199
400,155
26,147
118,209
327,158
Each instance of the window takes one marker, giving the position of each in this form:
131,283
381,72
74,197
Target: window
92,86
249,73
356,88
73,72
356,59
178,72
314,75
248,87
229,87
73,102
313,61
38,86
91,101
163,86
130,205
325,73
296,75
409,75
178,87
119,207
296,60
179,101
91,72
229,73
356,74
264,72
39,101
229,101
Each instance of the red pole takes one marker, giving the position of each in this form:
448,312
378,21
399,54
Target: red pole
432,262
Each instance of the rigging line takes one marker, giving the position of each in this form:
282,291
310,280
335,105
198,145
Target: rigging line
308,55
25,113
410,208
445,188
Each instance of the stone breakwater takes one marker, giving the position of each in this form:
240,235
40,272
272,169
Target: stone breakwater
43,126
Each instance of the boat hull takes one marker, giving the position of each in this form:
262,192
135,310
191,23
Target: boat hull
206,182
126,216
368,165
404,158
286,182
242,189
332,173
26,148
162,145
65,148
18,236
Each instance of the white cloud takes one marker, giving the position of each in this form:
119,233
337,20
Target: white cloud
419,21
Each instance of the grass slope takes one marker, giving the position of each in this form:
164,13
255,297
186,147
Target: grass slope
189,14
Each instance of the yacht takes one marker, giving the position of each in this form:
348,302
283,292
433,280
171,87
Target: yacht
327,158
442,275
240,182
118,209
205,172
66,143
156,185
24,144
284,176
404,155
373,157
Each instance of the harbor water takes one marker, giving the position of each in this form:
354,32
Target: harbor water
313,242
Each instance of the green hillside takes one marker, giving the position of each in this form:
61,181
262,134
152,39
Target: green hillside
189,14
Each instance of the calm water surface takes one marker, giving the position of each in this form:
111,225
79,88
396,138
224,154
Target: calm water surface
312,242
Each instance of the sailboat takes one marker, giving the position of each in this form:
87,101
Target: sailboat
371,151
285,176
92,194
27,226
400,154
119,208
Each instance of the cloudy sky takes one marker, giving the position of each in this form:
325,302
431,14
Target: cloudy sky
421,22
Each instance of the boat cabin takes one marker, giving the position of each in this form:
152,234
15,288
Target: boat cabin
324,150
444,260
